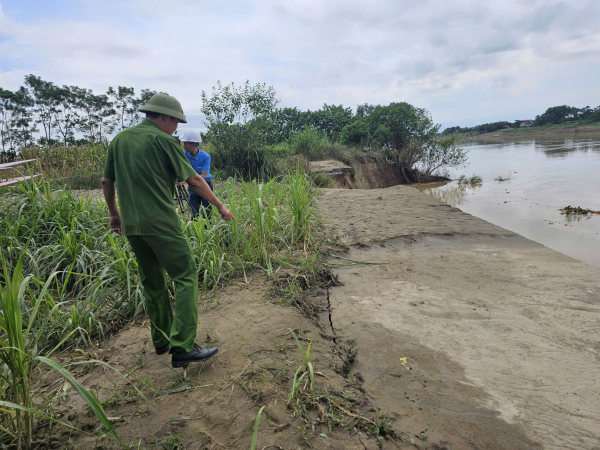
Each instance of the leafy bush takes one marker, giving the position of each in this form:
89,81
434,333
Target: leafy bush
473,180
240,151
310,143
356,133
321,180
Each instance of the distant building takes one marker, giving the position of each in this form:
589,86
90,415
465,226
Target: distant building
526,123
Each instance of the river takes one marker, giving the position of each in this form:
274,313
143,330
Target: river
544,175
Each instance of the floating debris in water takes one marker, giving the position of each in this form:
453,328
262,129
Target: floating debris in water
577,211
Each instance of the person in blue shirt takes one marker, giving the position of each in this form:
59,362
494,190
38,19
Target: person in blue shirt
200,162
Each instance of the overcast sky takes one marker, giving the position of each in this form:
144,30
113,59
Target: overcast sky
467,62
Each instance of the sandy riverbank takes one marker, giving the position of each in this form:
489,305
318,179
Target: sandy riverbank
500,333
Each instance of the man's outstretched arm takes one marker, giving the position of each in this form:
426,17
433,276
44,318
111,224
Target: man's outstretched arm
108,189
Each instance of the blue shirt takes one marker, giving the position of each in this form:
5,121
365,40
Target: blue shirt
200,163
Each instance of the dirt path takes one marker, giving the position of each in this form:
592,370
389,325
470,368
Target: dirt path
500,333
216,406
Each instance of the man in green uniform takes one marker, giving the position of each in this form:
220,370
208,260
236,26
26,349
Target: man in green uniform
145,162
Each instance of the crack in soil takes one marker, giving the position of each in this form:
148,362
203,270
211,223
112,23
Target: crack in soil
330,319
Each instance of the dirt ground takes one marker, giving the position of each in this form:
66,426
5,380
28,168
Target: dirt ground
473,333
467,336
216,406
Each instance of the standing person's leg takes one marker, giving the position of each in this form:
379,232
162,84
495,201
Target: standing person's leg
175,255
206,205
195,203
156,294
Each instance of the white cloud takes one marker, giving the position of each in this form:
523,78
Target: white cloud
465,61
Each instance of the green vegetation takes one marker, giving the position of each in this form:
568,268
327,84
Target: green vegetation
321,180
255,432
247,136
306,398
19,343
76,167
473,180
301,373
502,178
67,115
81,282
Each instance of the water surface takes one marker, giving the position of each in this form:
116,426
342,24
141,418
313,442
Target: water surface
544,176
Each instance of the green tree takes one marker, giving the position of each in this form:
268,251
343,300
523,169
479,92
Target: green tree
97,114
239,126
364,110
286,122
556,115
20,124
67,114
238,105
123,101
441,153
5,113
331,119
46,99
398,124
355,133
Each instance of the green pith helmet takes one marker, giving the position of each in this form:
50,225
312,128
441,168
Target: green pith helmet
164,104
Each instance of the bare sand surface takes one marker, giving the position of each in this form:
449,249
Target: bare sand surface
501,335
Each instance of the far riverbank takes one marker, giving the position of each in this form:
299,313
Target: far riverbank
551,131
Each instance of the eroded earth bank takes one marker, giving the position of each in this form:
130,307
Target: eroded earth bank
500,334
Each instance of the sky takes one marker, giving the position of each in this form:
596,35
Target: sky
467,62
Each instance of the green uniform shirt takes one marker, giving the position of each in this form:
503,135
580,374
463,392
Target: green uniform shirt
145,163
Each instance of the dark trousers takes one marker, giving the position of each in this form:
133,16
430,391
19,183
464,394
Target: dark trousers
198,203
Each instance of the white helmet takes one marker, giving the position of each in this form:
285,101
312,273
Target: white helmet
191,136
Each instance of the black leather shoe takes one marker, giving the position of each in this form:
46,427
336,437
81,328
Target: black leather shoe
162,350
181,359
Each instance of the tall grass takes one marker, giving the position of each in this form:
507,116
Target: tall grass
19,357
77,167
81,283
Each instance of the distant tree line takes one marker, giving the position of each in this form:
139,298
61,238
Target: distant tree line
45,114
245,130
555,115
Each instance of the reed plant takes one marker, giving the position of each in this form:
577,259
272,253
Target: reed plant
304,371
67,281
19,357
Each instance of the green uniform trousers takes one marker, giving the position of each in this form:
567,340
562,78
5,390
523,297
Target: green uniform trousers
171,252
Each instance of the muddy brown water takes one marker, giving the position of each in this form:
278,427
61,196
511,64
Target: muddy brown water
544,176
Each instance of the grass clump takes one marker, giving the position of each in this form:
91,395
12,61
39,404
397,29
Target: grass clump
502,178
321,180
320,408
19,356
577,211
473,180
